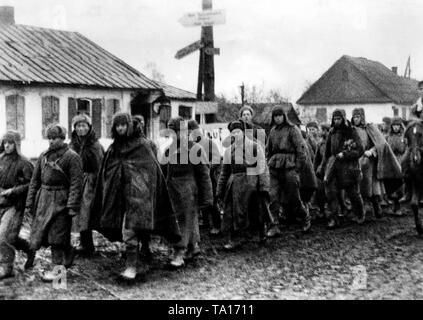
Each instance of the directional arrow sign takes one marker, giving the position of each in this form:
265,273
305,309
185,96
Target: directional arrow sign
189,49
203,18
212,51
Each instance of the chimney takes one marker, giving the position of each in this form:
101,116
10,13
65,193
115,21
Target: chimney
7,15
395,70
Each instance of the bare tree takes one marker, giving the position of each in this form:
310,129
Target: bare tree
154,72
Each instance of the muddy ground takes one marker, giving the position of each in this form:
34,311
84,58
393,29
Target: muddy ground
381,260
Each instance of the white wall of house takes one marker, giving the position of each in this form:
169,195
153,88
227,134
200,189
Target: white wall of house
34,144
374,112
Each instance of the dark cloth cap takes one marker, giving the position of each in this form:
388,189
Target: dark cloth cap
193,125
397,121
55,131
387,120
237,124
312,124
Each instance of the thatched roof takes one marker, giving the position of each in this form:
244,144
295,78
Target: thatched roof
359,80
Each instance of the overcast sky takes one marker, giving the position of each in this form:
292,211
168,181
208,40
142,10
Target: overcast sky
272,43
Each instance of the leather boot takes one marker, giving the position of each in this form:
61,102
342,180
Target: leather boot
377,209
57,258
307,221
69,256
130,272
273,232
86,243
178,258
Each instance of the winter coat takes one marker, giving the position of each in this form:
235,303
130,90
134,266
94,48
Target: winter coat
91,153
286,149
15,174
56,187
131,192
345,170
387,166
190,189
239,185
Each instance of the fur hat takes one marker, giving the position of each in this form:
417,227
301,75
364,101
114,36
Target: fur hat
122,118
11,136
339,113
397,121
359,112
81,118
175,124
55,131
288,111
246,108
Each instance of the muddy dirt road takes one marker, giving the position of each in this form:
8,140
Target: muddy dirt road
381,260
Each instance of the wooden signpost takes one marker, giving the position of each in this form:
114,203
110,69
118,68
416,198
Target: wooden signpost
189,49
206,19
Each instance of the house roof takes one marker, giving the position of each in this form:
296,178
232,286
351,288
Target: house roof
359,80
46,56
176,93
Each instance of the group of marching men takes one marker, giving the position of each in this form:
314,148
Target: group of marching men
133,190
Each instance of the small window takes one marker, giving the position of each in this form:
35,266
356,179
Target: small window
321,115
210,118
15,114
83,107
198,118
185,112
50,112
396,111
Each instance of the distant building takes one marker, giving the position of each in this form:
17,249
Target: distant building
358,82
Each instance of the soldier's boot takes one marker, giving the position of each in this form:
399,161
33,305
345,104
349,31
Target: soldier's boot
360,213
86,243
193,251
417,220
131,264
306,228
145,252
69,256
397,207
23,245
273,232
57,258
178,258
6,271
377,209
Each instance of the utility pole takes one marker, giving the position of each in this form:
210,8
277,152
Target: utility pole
208,57
242,94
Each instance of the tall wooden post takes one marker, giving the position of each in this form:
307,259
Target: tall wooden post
208,57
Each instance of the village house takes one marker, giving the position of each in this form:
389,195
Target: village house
49,76
358,82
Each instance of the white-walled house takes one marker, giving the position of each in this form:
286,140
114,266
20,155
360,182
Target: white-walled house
359,83
49,76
